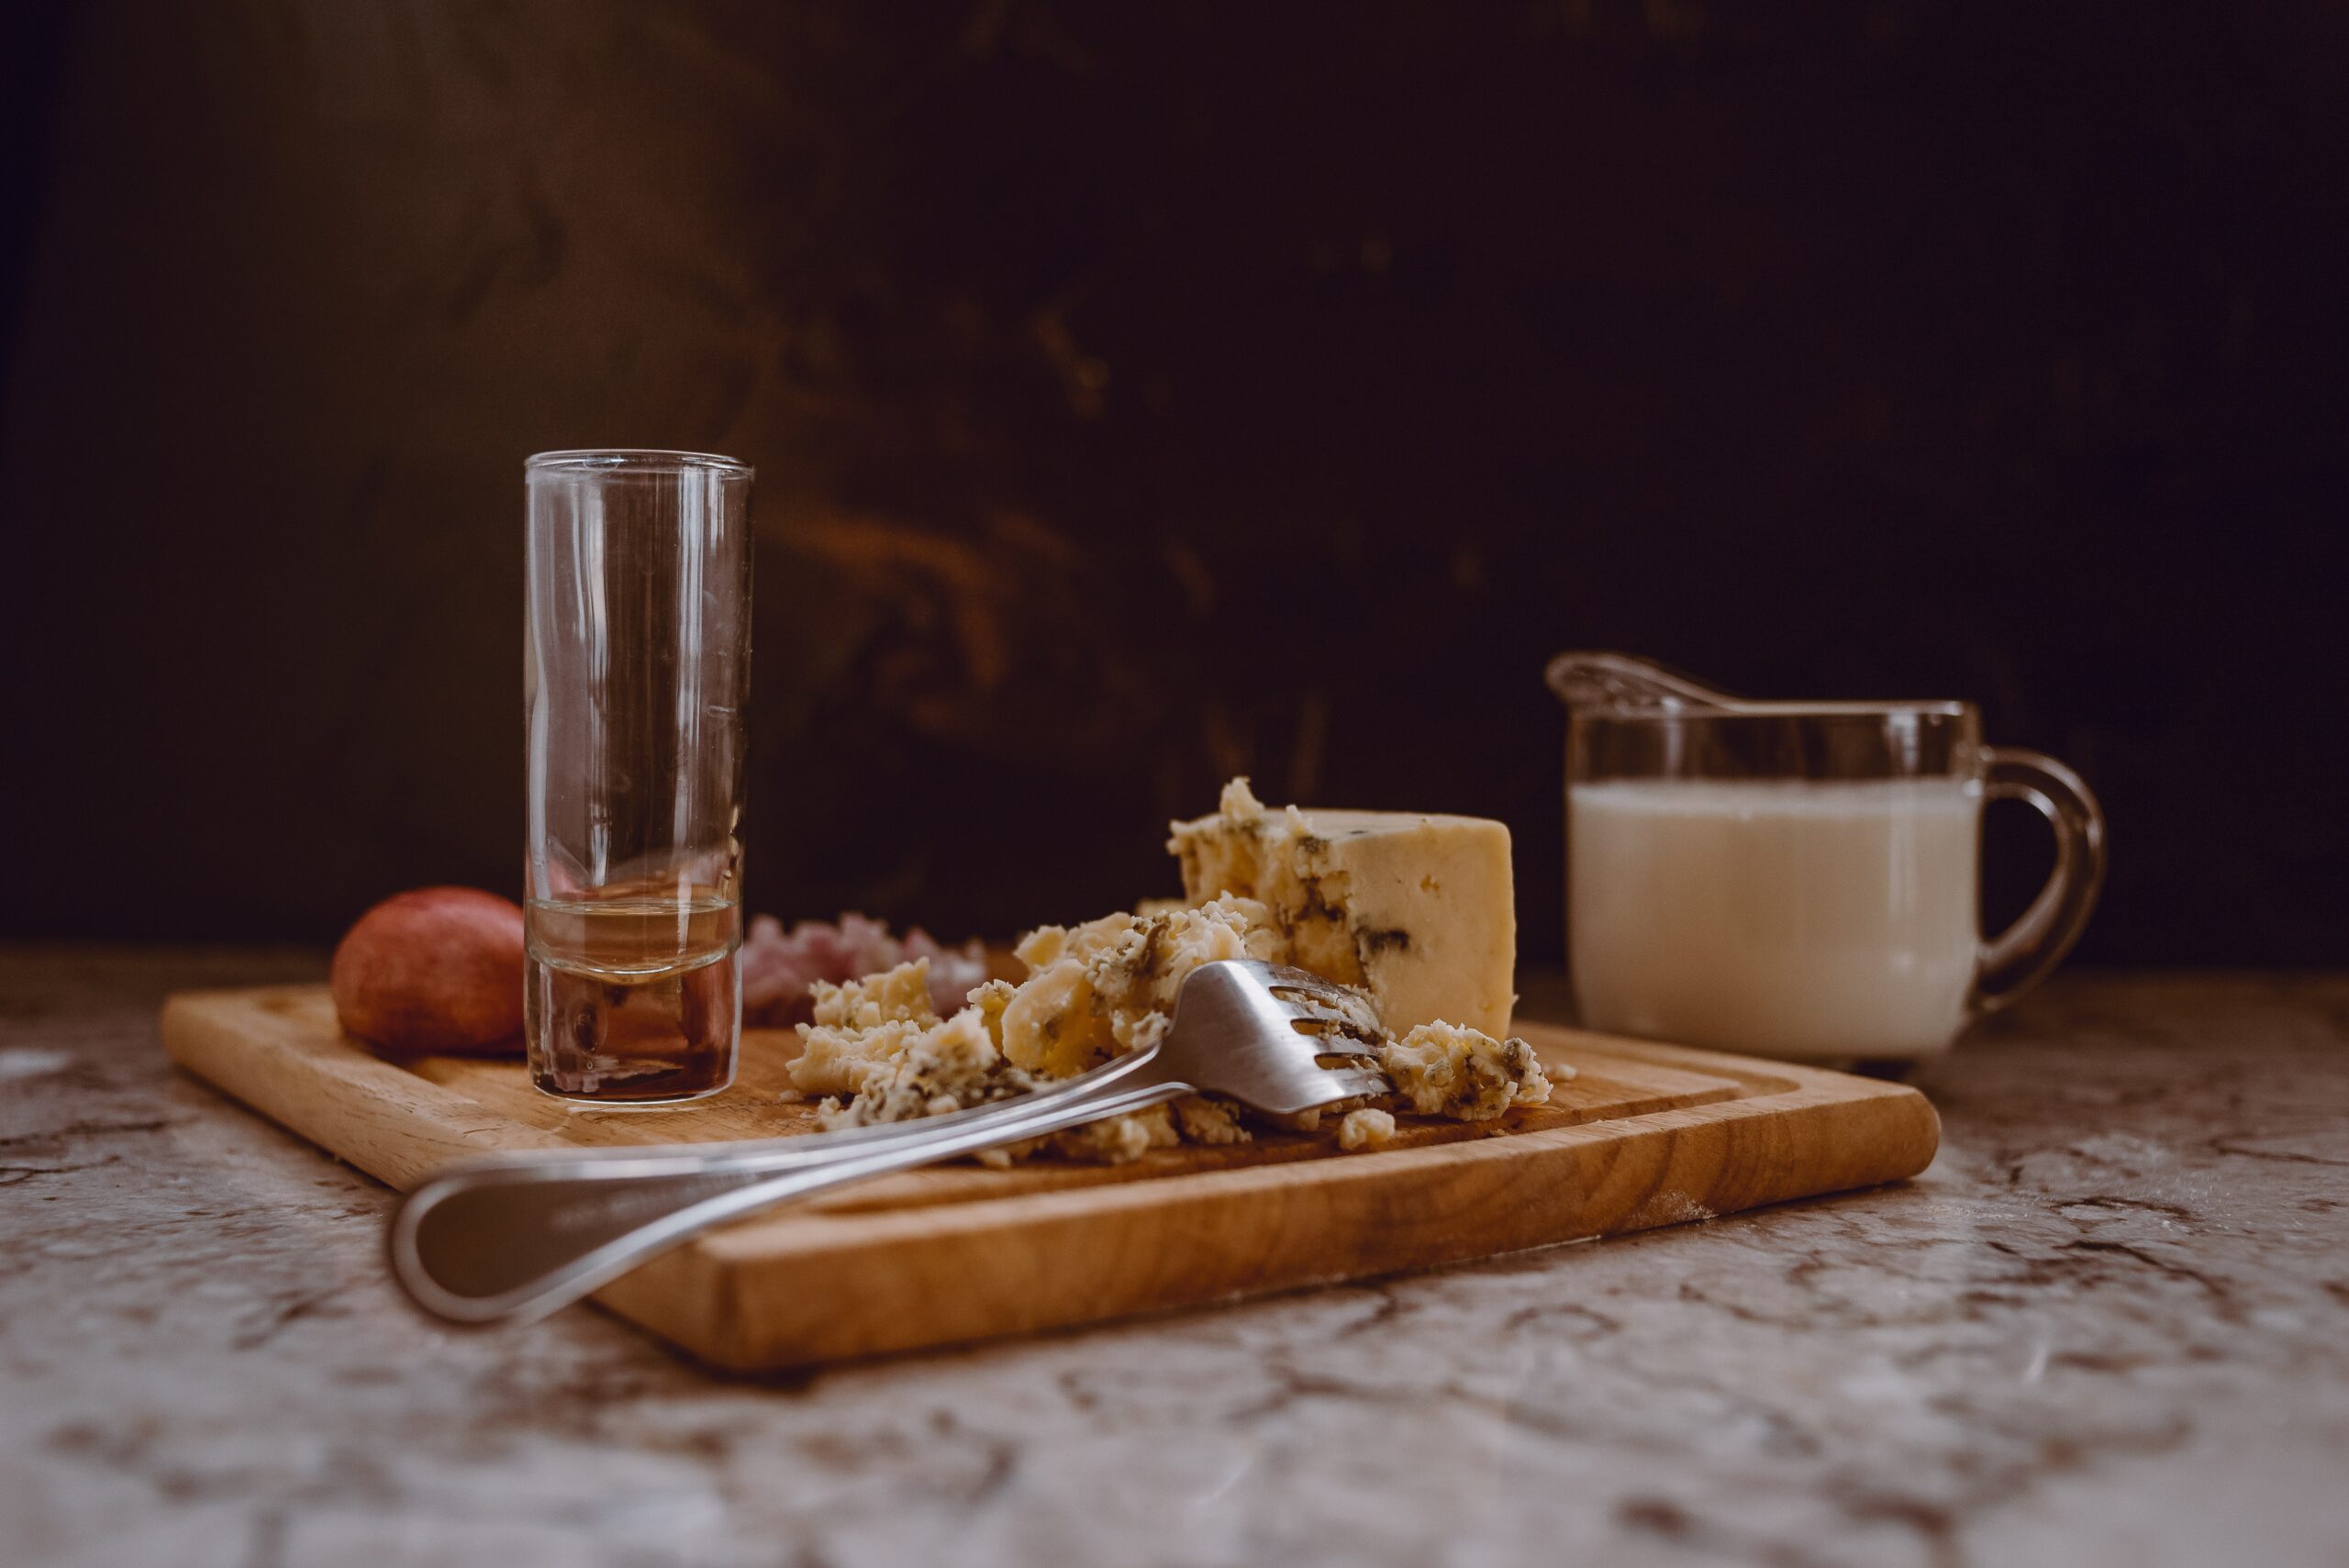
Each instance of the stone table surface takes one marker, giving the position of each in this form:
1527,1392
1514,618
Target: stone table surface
2110,1325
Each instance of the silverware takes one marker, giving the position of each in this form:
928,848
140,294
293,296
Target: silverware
518,1236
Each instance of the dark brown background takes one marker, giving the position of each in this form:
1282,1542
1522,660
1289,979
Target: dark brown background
1143,393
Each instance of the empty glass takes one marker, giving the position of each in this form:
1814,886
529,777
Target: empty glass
636,665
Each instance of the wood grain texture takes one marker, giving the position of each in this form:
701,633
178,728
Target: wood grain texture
1647,1135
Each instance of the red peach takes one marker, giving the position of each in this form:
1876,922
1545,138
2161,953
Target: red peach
431,972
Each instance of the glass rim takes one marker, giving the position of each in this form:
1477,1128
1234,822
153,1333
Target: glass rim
626,462
1678,713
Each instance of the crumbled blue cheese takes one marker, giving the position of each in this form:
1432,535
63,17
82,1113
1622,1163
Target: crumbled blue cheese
1203,1119
1441,1069
1102,989
861,1026
1292,887
1094,992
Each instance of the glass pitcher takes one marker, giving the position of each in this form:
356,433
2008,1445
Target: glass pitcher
1799,880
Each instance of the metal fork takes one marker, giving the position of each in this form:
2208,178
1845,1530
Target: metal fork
521,1235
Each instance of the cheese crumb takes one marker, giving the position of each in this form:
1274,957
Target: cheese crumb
1238,803
1441,1069
861,1026
1205,1120
1119,1140
1366,1128
894,995
950,1067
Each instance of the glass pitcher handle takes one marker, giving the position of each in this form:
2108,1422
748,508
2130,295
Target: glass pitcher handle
2019,957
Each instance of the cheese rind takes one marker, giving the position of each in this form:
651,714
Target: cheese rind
1419,909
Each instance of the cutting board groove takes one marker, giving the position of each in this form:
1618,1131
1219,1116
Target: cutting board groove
1646,1135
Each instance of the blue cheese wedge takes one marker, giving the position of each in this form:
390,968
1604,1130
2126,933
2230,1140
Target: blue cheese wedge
1417,910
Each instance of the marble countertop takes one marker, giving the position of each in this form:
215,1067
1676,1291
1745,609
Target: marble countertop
2110,1325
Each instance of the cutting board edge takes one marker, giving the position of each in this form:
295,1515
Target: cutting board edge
926,1254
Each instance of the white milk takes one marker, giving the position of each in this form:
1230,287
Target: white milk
1820,921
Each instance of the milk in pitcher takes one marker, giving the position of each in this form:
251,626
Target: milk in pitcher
1813,919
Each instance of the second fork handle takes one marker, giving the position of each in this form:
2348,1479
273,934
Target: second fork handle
524,1237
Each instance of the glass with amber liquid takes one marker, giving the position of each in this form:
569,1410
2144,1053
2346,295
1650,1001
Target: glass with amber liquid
635,672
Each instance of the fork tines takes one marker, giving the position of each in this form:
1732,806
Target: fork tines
1339,1022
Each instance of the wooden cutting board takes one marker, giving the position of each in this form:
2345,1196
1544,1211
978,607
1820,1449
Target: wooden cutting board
1647,1135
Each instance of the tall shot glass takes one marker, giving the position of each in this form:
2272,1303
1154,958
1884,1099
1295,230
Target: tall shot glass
636,665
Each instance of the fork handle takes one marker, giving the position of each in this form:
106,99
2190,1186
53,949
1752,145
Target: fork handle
522,1236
